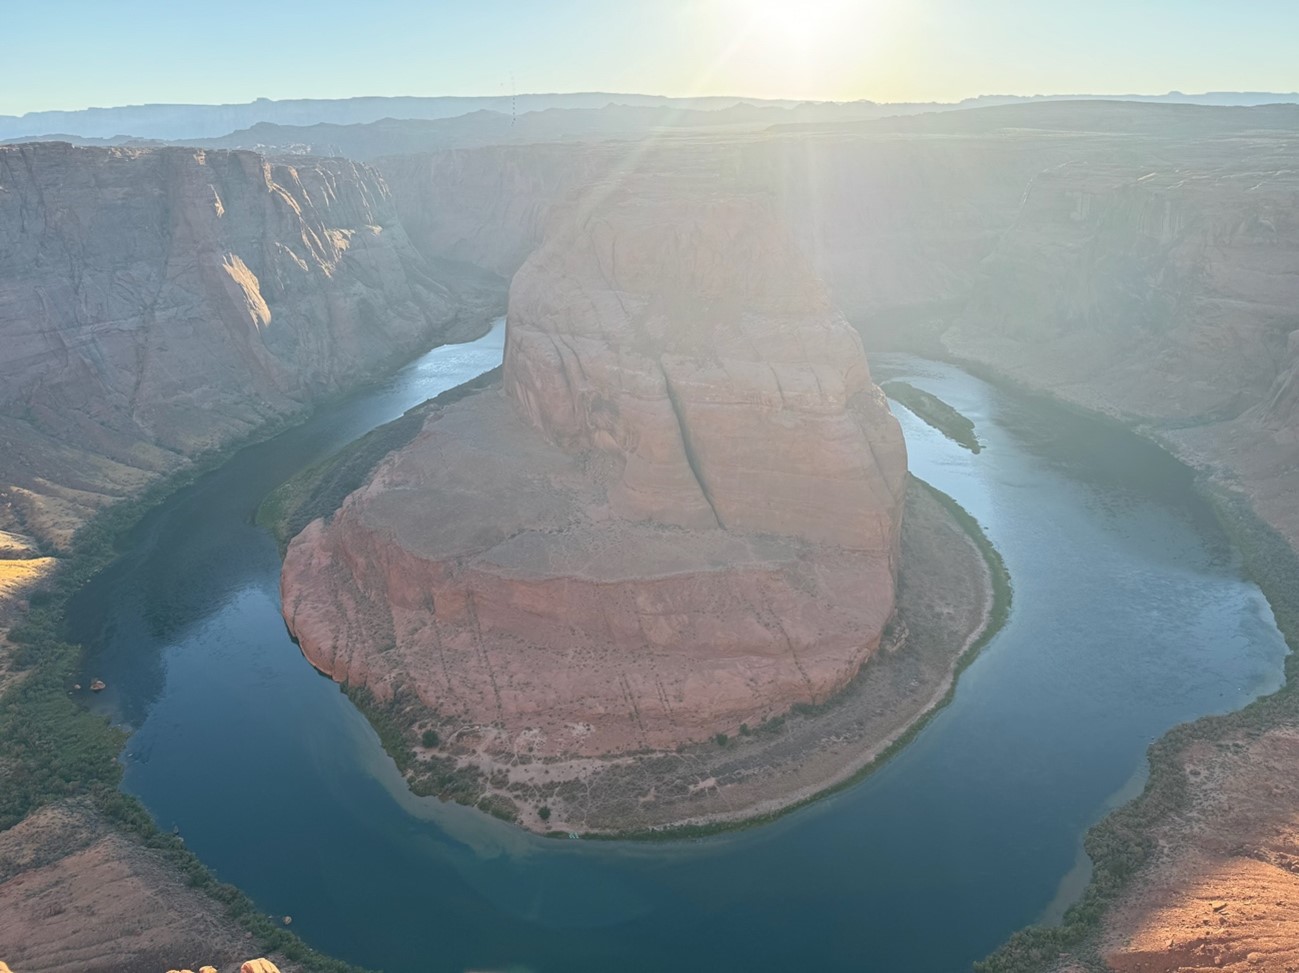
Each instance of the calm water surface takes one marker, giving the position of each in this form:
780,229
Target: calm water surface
1130,616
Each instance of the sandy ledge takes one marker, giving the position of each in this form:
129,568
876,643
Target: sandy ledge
1220,891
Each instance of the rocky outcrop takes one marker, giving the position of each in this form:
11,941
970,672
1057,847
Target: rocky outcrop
691,340
1158,291
680,512
1220,893
79,895
158,303
1166,295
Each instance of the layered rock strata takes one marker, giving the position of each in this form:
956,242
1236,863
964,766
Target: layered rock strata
1166,295
155,303
679,513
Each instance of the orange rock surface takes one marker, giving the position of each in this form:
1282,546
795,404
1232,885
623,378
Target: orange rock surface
1221,892
681,512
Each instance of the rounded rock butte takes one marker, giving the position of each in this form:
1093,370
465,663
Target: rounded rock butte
680,511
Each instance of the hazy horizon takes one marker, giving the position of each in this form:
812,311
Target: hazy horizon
815,50
1172,93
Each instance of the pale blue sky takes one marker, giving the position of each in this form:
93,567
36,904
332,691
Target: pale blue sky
76,53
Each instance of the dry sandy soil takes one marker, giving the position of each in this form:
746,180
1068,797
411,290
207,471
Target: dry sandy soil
78,897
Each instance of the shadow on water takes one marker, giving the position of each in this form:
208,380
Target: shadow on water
1129,617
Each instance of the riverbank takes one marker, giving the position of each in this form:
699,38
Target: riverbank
953,596
53,750
1194,873
1148,857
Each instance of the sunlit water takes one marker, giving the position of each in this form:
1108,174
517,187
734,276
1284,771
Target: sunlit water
1130,616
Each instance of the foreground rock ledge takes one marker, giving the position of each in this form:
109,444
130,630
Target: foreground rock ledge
680,514
79,895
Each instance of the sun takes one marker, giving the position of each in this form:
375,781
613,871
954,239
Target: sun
802,25
811,49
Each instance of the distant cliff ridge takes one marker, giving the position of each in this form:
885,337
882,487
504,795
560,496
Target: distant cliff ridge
155,303
173,121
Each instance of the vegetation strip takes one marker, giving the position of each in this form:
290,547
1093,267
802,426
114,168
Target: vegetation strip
934,411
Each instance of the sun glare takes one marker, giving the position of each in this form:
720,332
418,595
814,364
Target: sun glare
806,48
802,26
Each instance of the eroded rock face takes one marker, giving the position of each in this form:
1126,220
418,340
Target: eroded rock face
158,302
692,340
1160,291
679,514
1166,294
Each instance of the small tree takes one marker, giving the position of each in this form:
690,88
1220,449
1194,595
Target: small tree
543,812
430,739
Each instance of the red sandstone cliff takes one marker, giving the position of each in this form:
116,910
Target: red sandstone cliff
680,514
158,302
